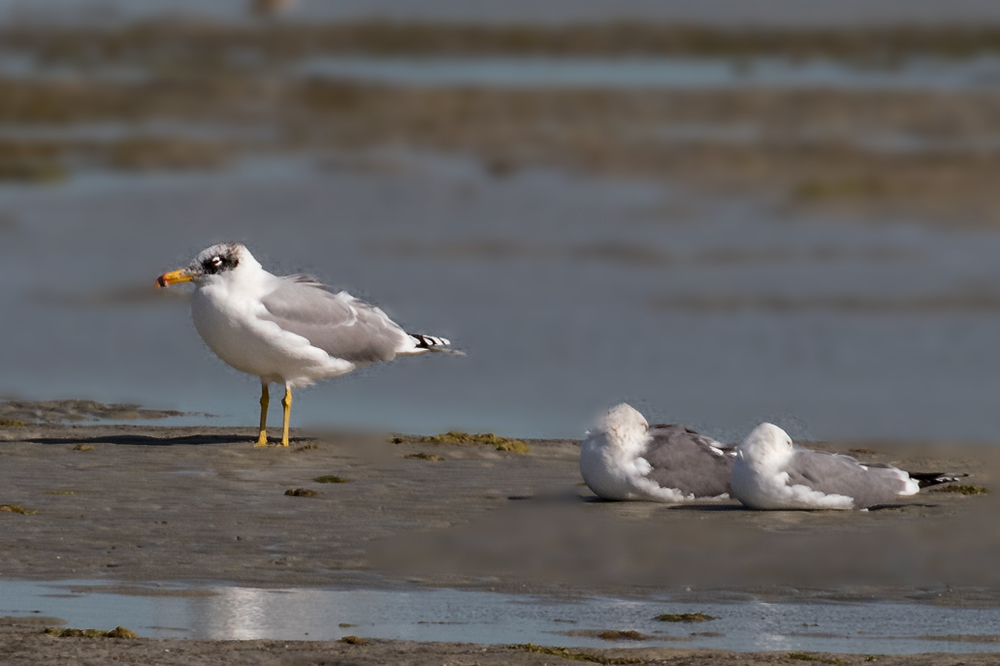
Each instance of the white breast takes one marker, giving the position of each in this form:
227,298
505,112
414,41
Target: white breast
601,471
765,486
618,472
231,326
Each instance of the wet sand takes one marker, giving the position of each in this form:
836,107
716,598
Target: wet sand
139,504
150,503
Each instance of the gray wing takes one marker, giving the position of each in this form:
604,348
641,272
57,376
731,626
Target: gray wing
835,474
339,324
691,463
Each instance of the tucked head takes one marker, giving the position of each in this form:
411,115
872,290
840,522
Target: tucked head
622,418
766,441
216,260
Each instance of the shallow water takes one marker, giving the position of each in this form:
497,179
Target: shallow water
225,612
712,12
664,73
568,293
636,73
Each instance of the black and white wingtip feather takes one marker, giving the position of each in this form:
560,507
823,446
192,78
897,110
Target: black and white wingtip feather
433,343
928,479
428,341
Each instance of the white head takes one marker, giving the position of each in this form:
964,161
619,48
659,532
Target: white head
219,261
765,442
621,425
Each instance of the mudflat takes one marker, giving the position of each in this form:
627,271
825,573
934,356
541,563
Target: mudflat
139,504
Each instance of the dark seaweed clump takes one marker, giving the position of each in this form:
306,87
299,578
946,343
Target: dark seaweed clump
805,656
685,617
575,656
962,490
488,438
331,478
623,635
117,632
354,640
424,456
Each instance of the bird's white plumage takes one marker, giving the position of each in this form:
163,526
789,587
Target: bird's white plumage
611,460
615,461
770,472
229,311
290,330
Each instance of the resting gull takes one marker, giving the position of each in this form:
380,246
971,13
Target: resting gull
624,458
289,330
772,473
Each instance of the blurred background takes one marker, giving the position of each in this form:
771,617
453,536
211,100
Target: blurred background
721,211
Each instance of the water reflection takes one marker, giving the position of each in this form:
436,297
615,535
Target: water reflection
226,612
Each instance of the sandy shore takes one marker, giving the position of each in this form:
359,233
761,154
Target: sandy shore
135,504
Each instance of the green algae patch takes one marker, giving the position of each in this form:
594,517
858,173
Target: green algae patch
962,490
147,153
301,492
847,188
574,656
59,492
17,508
685,617
424,456
486,438
331,478
354,640
38,173
7,423
805,656
626,635
117,632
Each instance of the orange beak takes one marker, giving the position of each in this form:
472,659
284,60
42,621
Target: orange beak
174,277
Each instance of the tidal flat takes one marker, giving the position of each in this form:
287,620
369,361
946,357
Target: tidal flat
141,508
163,512
921,140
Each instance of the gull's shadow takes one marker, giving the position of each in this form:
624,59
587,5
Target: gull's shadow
551,498
572,497
149,440
899,507
709,508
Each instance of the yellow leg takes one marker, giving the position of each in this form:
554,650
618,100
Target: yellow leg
265,400
286,402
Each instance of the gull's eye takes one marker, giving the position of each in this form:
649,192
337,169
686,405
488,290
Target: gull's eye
213,265
217,263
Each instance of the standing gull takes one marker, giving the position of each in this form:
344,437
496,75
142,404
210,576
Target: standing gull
289,330
772,473
624,458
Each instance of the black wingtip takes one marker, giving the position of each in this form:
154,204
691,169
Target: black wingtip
429,341
928,479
